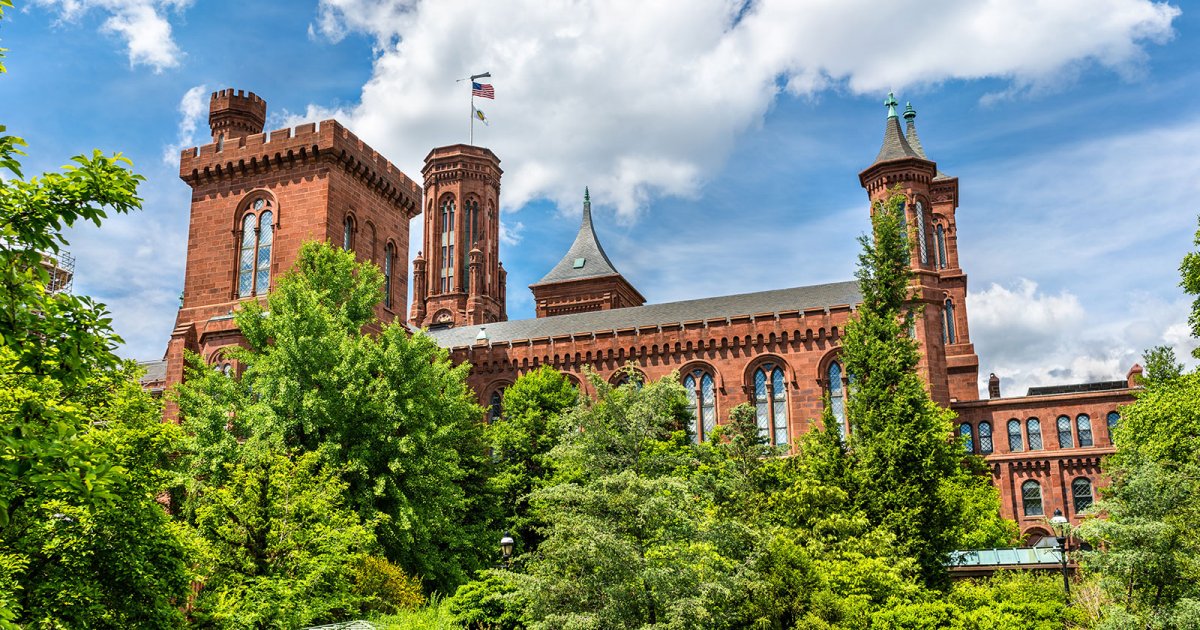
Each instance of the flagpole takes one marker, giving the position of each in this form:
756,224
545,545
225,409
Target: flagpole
472,141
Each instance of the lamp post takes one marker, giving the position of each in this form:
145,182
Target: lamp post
506,549
1059,523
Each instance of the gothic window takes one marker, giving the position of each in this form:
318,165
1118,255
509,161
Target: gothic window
985,437
837,397
1034,428
770,401
495,406
254,252
941,246
948,334
702,395
471,219
1015,443
1031,495
968,441
1083,426
1113,419
921,245
1064,432
447,259
389,255
348,233
1081,492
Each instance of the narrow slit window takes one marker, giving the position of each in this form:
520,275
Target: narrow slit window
941,246
837,398
389,254
921,244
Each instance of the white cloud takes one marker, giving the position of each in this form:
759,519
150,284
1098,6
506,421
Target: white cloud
642,100
142,24
192,109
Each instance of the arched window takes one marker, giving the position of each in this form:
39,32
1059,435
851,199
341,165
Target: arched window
702,394
837,397
948,334
1113,419
985,438
941,246
389,255
1081,492
1083,426
471,218
447,260
370,244
921,245
254,253
1034,428
1064,432
968,441
770,400
495,406
348,233
1015,443
1031,495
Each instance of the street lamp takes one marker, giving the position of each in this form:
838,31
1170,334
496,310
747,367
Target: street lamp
1059,523
506,549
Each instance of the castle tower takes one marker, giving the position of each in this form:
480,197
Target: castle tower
462,281
585,279
257,197
900,167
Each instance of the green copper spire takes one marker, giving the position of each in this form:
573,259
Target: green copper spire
586,195
909,112
891,105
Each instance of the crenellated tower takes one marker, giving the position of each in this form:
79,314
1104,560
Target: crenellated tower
948,363
235,114
458,279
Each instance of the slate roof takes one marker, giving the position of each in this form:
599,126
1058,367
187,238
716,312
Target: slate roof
774,301
895,146
914,141
1077,388
586,248
155,371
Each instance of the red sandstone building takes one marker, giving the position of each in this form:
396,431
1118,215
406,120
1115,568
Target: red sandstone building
256,197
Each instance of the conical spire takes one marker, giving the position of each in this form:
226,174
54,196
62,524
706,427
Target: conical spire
585,258
895,147
910,131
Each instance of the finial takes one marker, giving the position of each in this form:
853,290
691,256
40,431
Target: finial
891,105
909,112
587,196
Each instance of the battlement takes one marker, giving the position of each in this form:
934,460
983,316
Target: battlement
460,157
328,141
235,113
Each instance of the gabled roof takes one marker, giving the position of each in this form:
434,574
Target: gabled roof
585,258
744,304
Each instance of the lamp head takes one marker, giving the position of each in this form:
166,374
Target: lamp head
506,545
1058,518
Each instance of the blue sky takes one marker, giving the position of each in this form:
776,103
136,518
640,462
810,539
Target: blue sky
721,140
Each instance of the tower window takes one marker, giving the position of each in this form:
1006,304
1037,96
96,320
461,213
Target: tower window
471,218
1064,432
348,233
770,401
262,264
1031,496
389,255
1083,426
921,244
254,252
948,334
941,246
702,395
837,397
985,437
1015,443
1033,427
495,406
447,235
968,441
1081,492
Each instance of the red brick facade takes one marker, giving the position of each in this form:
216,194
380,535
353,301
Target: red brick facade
774,349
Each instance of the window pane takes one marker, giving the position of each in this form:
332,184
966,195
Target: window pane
246,258
779,395
1081,490
495,406
347,230
837,403
1014,436
1034,428
951,337
708,404
1113,419
1064,432
985,437
761,404
388,254
921,234
964,430
689,384
1031,494
941,245
1083,424
262,264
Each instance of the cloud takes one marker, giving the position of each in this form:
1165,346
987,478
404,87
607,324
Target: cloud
192,108
645,100
142,24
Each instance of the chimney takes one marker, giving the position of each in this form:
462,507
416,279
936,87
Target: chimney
993,386
1134,377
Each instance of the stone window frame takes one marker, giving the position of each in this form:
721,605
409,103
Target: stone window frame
1027,507
389,273
492,390
696,396
789,380
245,208
349,231
827,361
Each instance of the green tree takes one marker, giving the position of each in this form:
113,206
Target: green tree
387,410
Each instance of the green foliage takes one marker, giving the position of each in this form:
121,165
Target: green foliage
1189,270
387,587
387,411
435,616
492,601
282,545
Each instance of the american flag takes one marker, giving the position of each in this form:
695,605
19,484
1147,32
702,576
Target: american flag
483,90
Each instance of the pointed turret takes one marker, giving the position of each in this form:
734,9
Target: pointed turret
895,145
585,279
910,130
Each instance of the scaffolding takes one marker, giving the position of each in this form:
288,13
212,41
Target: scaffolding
61,268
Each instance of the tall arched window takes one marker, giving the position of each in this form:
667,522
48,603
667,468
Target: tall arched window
495,406
389,256
348,233
948,334
1113,419
770,401
921,245
447,261
702,393
1015,443
985,438
1064,432
1081,492
964,430
837,397
941,246
1033,427
471,220
1031,497
1083,426
254,253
